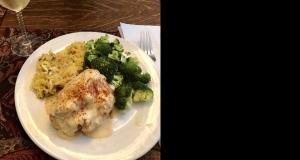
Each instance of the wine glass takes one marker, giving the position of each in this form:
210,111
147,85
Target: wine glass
26,43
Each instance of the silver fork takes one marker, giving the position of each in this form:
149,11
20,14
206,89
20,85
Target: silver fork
146,44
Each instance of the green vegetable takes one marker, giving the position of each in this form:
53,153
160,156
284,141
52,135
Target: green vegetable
123,96
133,60
106,66
130,68
144,78
117,80
115,42
141,92
89,46
120,69
103,39
115,55
118,47
124,56
132,72
102,49
88,57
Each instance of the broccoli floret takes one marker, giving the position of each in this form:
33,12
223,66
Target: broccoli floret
123,95
144,78
102,46
106,66
118,47
103,49
88,57
115,55
141,92
117,80
116,41
132,72
129,68
103,39
89,45
133,60
124,56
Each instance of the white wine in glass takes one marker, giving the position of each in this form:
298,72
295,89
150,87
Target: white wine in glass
26,43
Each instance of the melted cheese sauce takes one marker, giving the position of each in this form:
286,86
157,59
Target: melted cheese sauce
69,124
104,130
62,135
113,112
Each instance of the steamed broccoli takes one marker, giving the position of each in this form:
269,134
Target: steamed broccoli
116,45
89,46
117,80
141,92
117,50
88,57
130,68
132,72
116,41
143,77
124,56
133,60
103,39
102,49
115,55
102,46
106,66
123,96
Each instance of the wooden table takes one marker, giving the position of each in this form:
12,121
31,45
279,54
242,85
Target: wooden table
103,15
62,15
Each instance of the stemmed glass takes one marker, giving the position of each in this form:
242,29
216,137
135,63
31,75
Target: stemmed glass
26,43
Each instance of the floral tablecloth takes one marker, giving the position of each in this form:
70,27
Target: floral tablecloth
14,142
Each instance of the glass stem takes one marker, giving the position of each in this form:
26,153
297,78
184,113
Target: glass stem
26,41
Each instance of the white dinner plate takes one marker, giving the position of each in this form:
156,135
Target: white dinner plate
134,133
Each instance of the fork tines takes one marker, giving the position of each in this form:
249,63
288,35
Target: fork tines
146,44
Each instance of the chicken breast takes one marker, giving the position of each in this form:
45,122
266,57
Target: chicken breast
83,104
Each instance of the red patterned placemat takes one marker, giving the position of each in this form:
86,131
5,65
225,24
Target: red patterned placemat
14,142
2,13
